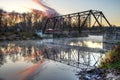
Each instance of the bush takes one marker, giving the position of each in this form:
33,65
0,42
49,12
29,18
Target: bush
112,59
26,34
7,34
118,43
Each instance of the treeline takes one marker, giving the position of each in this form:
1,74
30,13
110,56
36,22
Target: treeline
13,21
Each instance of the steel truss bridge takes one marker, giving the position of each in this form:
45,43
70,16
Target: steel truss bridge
77,21
75,55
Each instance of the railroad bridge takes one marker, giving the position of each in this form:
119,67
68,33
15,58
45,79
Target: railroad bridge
77,22
75,55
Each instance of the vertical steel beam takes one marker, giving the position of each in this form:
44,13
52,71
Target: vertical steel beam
101,20
54,22
79,23
69,23
89,21
44,28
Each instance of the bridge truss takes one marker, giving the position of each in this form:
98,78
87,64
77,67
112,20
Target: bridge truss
77,21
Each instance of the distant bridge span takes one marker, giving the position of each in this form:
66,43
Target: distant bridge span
77,21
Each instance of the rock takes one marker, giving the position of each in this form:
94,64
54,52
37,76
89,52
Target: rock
99,74
110,76
116,78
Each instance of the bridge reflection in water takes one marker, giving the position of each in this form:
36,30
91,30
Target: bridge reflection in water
72,52
81,57
26,57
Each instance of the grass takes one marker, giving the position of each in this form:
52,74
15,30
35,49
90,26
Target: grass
115,65
111,59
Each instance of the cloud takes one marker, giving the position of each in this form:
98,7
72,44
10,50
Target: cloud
26,5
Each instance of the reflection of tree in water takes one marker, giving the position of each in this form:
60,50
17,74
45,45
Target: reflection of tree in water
23,52
2,59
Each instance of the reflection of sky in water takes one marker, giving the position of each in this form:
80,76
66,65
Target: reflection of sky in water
90,44
91,41
23,60
8,70
54,71
15,58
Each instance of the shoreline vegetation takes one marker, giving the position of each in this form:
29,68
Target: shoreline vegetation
111,60
108,69
11,36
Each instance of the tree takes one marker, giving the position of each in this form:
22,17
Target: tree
1,16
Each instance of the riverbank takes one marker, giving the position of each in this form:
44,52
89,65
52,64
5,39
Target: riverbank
99,74
108,69
10,36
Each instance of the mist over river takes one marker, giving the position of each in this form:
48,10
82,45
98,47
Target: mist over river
24,60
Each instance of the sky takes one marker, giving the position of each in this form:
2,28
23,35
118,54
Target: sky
111,8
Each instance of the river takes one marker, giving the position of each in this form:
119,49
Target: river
24,60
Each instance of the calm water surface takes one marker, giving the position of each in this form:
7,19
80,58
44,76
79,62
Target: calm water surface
24,60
